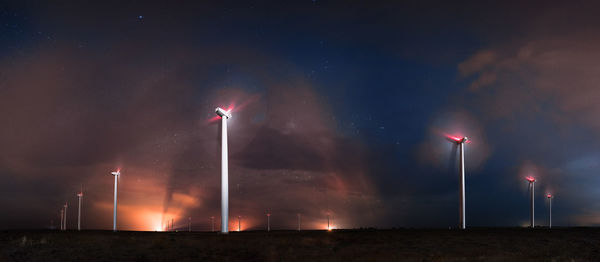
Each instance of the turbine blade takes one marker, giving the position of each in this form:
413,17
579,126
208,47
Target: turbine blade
450,139
453,161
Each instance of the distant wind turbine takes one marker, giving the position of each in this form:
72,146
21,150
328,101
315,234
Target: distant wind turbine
550,196
531,181
65,220
62,218
116,175
79,195
460,141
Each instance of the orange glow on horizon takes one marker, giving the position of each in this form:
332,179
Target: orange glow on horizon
142,205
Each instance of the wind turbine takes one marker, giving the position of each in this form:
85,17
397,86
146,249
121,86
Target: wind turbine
212,222
65,220
62,218
239,223
550,196
79,195
298,221
224,170
531,181
461,143
116,175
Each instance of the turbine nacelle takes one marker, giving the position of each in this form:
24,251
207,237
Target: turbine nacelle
117,173
457,139
549,195
530,179
222,113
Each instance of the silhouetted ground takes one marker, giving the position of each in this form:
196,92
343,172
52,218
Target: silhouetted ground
497,244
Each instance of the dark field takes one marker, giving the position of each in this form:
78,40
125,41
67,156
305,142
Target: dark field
499,244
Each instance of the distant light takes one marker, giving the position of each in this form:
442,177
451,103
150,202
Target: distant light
140,17
530,179
549,196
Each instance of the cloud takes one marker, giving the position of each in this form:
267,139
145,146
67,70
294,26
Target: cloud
541,91
76,120
477,62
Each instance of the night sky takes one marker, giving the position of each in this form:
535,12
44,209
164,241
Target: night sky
338,107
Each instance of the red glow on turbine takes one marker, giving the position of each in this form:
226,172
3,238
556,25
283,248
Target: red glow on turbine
456,139
530,179
549,196
248,100
230,108
216,118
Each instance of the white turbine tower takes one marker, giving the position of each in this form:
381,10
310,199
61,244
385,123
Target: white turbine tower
65,217
116,175
298,221
531,181
79,195
239,223
268,222
461,143
224,170
550,196
212,224
62,218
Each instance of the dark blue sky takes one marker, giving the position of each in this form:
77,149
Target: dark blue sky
341,108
